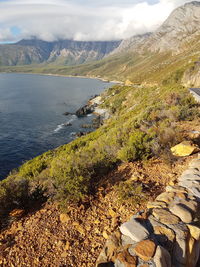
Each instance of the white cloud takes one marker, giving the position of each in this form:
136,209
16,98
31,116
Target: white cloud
82,20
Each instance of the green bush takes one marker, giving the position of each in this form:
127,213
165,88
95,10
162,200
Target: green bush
130,193
137,147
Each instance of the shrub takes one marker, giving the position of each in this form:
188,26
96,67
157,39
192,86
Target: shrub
137,147
130,193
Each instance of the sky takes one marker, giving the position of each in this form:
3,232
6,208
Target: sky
81,20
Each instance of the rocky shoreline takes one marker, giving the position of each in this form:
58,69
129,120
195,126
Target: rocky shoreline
92,107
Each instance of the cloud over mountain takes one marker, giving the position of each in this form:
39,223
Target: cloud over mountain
81,20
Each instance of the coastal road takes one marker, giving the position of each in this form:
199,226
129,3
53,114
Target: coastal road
196,93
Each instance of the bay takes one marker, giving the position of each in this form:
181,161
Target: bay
31,114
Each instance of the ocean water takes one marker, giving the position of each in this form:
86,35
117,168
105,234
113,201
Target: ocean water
31,114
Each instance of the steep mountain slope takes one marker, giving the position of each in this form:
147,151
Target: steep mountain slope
65,52
131,43
181,27
175,45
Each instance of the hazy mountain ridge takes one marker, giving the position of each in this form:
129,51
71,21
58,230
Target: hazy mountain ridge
67,52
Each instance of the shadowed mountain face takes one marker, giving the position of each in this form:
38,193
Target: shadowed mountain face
66,52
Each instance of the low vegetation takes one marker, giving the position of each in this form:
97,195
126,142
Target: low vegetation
143,124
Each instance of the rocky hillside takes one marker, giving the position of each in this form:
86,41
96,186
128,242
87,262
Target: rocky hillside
174,46
66,52
182,26
191,77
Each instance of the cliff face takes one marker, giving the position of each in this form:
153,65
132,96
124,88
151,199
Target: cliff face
191,77
66,52
182,26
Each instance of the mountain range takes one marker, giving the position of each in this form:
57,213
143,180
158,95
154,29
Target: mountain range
175,45
63,52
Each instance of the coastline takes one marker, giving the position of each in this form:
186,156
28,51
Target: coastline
66,76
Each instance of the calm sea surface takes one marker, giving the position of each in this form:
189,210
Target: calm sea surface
31,114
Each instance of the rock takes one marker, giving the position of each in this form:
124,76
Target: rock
64,218
135,230
110,249
166,197
176,189
180,246
156,204
195,191
126,259
184,149
165,216
165,236
85,110
189,204
189,177
193,252
162,257
195,164
183,213
191,171
194,231
145,249
17,213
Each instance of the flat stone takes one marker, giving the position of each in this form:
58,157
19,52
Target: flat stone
183,213
145,249
134,229
166,197
176,189
190,204
180,246
184,149
156,204
162,257
189,184
191,171
189,177
165,236
165,216
194,231
195,191
126,259
195,164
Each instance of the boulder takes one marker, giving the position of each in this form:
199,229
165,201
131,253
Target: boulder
145,249
184,149
182,212
126,260
165,216
135,230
